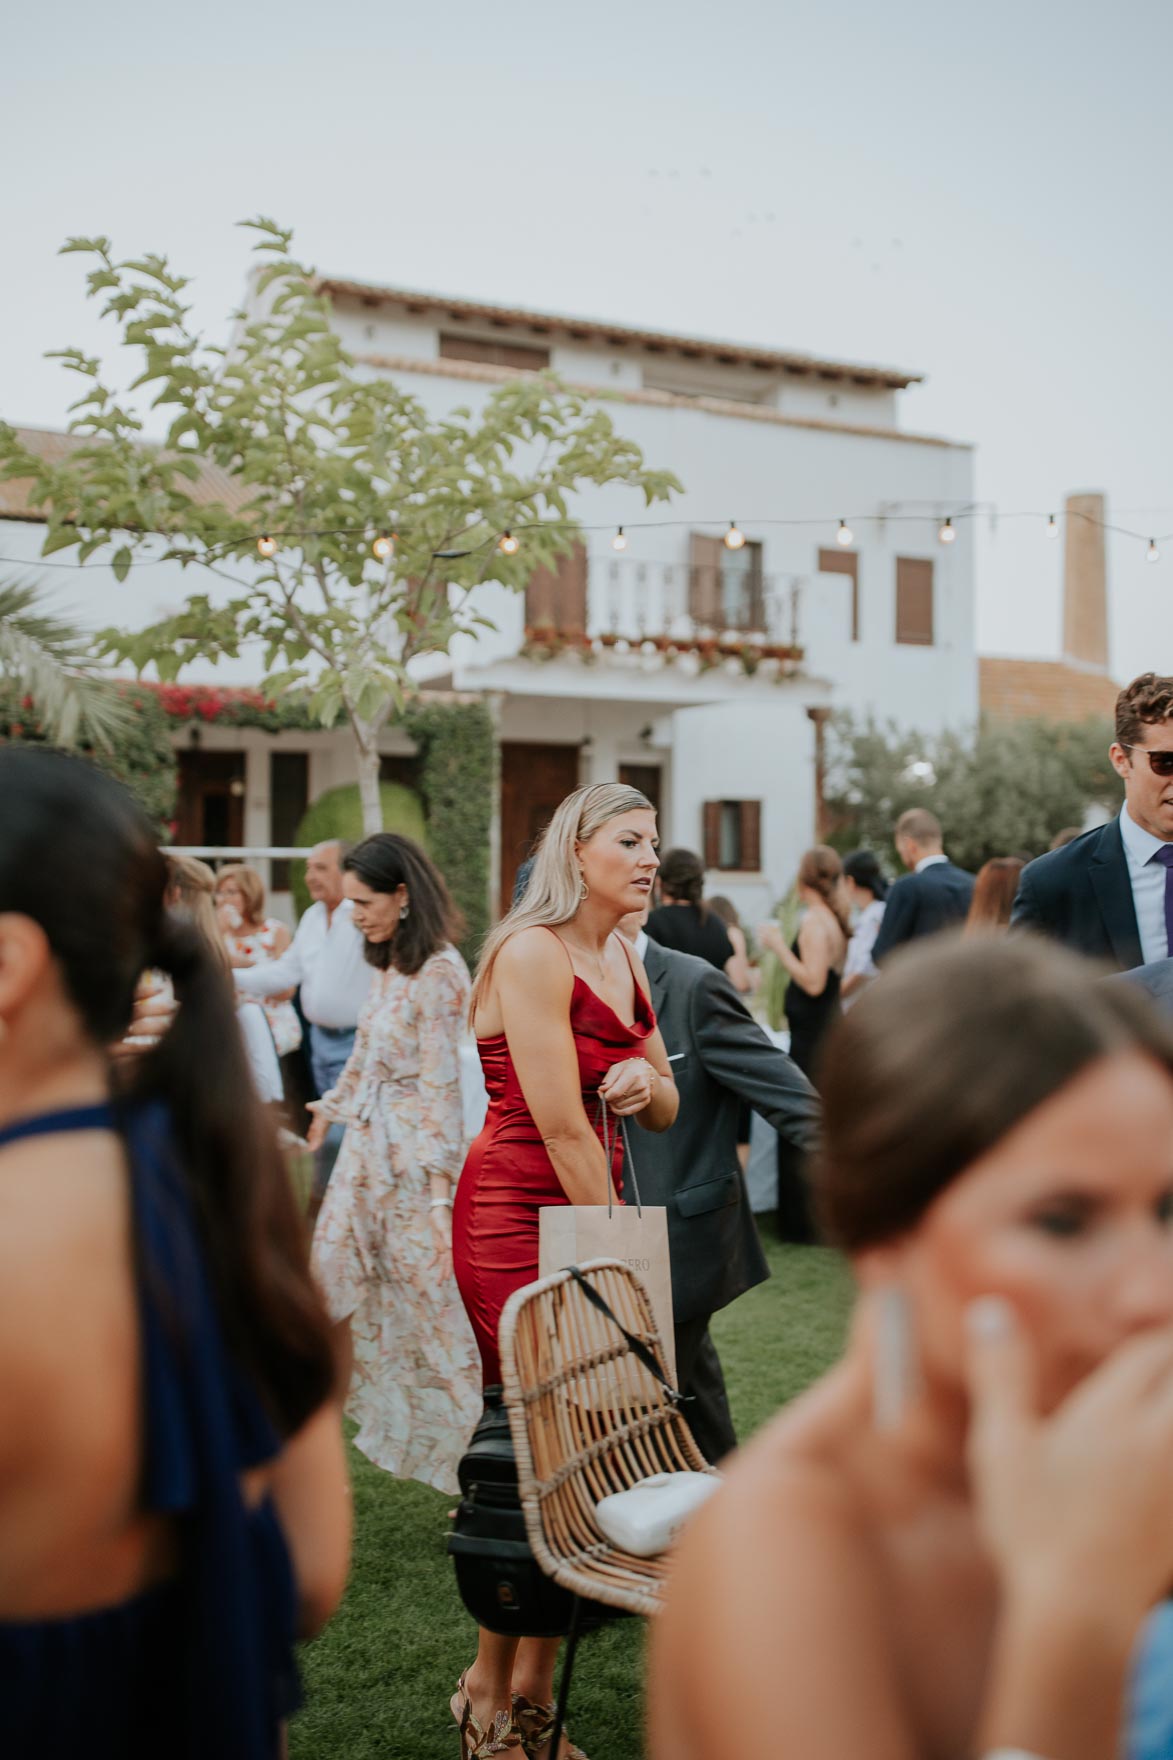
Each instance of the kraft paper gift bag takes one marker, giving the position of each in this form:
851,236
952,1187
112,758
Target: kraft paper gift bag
573,1234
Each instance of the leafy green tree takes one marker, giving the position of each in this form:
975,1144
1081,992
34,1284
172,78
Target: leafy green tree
324,461
1005,789
47,661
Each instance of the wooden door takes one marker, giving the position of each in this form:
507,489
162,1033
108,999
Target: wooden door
534,781
211,798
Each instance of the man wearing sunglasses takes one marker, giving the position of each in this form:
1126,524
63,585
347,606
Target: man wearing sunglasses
1110,892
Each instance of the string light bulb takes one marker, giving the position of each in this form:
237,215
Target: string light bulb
619,542
1052,526
845,535
734,537
948,532
267,546
1152,554
383,547
508,544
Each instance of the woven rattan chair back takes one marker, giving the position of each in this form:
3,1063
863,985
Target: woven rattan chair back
588,1419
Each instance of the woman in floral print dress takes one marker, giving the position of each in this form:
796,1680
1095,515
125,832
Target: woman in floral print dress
383,1243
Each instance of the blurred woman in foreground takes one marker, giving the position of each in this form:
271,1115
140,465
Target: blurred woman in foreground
174,1507
950,1545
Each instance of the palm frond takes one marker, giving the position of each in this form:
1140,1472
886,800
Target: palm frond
47,659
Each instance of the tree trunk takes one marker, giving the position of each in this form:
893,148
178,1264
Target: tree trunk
368,784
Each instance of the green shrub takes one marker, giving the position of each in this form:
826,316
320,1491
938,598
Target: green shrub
338,813
458,780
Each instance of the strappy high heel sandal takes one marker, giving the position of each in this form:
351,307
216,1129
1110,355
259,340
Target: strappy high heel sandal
477,1742
536,1725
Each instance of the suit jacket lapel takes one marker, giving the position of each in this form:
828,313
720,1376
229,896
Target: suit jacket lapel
1113,889
654,967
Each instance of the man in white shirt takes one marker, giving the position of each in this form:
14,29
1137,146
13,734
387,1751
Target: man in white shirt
1110,892
326,959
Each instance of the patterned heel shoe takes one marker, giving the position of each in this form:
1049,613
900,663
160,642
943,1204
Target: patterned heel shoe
477,1742
536,1724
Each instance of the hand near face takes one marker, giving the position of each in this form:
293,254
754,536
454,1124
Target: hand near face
155,1008
1077,1504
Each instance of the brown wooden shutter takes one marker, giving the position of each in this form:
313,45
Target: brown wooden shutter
914,601
751,836
711,838
705,556
521,357
556,598
845,562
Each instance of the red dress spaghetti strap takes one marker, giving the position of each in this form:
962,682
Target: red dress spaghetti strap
508,1176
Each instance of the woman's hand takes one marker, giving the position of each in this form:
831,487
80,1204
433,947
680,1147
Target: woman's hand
155,1008
1074,1507
441,1259
628,1086
770,937
319,1125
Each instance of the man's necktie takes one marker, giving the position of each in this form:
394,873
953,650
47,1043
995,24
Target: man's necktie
1165,857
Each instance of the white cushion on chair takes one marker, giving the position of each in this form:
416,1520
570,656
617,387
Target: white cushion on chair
646,1520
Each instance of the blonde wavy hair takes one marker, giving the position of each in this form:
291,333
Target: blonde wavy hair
554,891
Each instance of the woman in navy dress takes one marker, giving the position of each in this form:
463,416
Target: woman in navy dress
174,1510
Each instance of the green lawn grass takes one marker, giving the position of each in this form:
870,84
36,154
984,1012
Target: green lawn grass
379,1678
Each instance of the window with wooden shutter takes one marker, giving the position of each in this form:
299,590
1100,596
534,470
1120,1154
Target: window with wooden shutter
914,601
704,579
725,587
556,598
844,562
646,777
289,793
732,836
523,357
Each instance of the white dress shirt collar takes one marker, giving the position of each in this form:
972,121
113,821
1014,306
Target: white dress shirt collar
929,862
1140,845
641,943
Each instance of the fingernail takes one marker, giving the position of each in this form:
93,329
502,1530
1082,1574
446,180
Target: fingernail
989,1317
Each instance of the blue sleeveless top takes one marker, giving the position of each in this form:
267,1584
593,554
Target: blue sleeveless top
201,1665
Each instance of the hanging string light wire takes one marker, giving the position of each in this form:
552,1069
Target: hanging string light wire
508,541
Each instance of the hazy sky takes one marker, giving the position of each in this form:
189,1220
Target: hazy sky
978,193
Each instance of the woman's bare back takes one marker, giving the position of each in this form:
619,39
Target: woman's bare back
845,1608
71,1538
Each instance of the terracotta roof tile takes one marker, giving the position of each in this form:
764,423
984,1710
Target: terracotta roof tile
212,484
618,335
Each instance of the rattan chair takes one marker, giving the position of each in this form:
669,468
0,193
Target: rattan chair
587,1419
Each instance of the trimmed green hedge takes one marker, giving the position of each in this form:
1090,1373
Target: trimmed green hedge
458,782
338,813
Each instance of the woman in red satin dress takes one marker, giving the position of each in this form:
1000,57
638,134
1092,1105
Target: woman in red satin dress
562,1017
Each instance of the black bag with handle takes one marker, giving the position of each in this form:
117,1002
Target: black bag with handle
499,1579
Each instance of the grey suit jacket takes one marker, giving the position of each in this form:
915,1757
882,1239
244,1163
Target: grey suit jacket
693,1168
1157,979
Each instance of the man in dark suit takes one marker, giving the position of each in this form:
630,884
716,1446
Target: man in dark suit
933,895
720,1057
1109,894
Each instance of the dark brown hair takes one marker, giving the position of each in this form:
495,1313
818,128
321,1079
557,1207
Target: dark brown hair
387,861
1146,702
78,857
993,894
725,909
960,1042
821,870
682,875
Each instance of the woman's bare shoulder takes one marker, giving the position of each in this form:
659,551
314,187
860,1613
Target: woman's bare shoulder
534,953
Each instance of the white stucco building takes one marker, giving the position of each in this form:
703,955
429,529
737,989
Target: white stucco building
698,672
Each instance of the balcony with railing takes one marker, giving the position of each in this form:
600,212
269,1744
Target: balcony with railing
712,610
